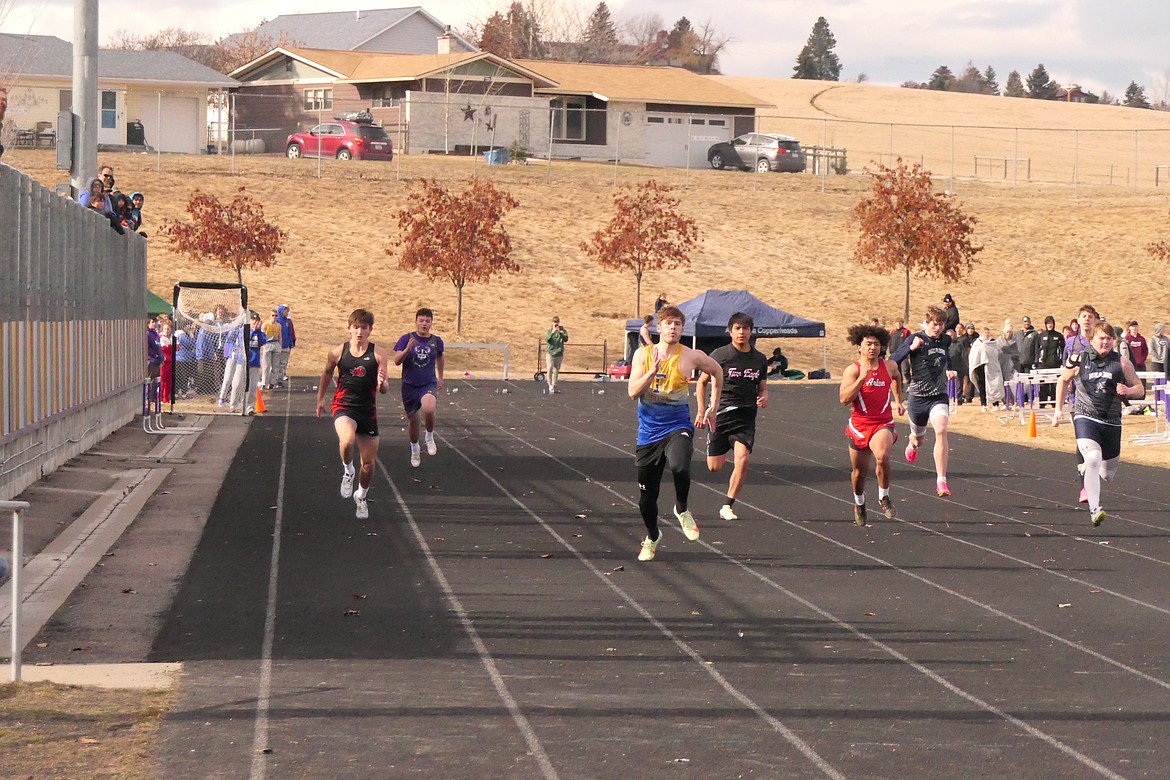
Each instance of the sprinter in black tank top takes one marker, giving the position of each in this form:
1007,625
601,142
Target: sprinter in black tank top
1103,378
361,369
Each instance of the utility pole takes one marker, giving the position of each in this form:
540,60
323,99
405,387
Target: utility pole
85,94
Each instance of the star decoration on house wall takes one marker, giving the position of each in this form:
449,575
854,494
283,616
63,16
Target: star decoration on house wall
468,113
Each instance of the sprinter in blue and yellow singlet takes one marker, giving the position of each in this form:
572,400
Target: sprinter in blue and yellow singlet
658,382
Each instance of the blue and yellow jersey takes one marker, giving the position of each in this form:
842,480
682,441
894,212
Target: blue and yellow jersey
664,407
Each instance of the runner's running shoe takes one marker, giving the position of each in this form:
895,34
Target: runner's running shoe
887,506
941,488
347,485
649,548
415,457
1098,516
363,509
432,448
687,521
911,453
727,513
859,515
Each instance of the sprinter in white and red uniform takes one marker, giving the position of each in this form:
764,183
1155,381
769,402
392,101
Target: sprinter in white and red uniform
873,386
361,373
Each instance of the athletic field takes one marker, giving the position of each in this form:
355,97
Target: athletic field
490,619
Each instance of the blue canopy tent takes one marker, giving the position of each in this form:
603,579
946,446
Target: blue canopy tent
707,316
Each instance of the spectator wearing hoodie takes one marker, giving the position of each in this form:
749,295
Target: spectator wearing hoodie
1049,355
137,200
288,340
951,311
1158,345
1139,350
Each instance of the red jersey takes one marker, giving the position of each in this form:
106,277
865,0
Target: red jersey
872,405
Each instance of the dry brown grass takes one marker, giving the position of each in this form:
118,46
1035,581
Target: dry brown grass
1047,248
49,730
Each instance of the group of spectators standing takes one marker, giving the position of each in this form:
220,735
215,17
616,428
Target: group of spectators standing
214,360
986,362
123,211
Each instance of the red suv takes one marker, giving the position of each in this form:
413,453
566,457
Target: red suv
343,140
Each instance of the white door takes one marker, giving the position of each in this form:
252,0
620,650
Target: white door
679,140
183,127
111,124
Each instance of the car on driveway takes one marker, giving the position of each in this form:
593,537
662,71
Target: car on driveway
343,140
762,152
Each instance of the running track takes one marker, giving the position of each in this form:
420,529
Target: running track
490,619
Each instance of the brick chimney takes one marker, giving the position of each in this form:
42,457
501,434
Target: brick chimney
445,41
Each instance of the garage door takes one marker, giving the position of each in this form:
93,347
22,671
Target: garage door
674,139
182,128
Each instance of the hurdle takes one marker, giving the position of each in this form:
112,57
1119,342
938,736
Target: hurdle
1161,434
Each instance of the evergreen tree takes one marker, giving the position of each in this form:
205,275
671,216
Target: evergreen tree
1015,85
942,79
1135,96
601,37
817,59
1040,85
990,81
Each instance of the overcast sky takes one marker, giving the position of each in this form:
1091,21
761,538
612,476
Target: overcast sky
1094,44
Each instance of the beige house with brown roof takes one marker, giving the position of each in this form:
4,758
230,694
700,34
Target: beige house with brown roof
460,103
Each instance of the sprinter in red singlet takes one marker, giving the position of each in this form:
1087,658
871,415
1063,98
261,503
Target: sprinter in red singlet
361,373
873,385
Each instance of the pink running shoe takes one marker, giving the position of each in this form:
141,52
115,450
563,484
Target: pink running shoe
911,453
1084,499
941,488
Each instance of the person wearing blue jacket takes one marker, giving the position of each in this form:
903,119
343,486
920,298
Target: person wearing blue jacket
288,340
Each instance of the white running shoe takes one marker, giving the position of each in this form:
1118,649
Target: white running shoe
347,485
687,521
432,448
415,457
649,548
727,513
363,509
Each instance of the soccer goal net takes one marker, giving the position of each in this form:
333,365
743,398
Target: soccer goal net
209,359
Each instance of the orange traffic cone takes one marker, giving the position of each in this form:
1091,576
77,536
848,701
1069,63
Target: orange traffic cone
261,410
1032,425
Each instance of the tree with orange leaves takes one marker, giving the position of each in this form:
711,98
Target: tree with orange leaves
235,235
647,233
455,236
906,225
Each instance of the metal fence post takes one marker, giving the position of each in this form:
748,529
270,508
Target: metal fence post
16,507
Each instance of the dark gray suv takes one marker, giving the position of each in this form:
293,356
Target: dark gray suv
760,151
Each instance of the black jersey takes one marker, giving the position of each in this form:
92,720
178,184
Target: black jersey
742,374
928,364
1097,382
357,380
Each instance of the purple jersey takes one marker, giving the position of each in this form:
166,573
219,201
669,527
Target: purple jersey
418,368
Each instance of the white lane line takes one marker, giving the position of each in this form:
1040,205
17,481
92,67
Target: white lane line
264,693
485,657
1022,725
1025,523
707,666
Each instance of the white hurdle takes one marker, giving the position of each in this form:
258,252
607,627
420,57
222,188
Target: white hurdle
16,507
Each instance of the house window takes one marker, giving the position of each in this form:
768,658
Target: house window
382,97
655,120
109,110
318,99
717,122
698,121
568,118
